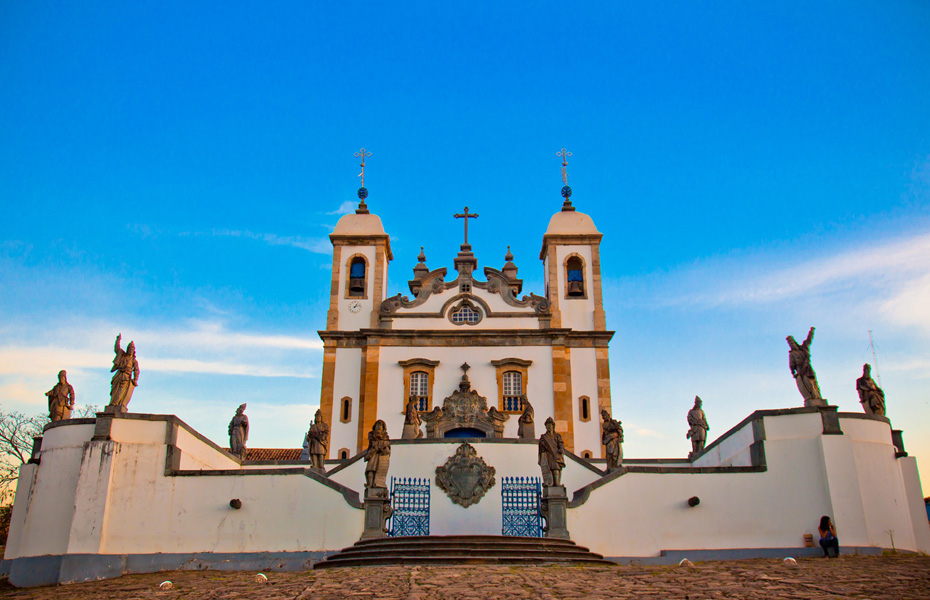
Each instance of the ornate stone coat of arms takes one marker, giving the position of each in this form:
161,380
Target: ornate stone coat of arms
465,408
465,477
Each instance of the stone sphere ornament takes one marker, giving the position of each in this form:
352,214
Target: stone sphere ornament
362,193
566,192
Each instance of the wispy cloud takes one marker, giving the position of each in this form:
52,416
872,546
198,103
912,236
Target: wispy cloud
310,244
345,208
873,266
178,349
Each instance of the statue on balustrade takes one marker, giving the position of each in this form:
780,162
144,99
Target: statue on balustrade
239,433
551,455
318,439
697,422
126,376
799,360
378,456
871,396
612,438
60,399
412,421
526,429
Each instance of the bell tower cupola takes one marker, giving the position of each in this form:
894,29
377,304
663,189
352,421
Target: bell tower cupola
361,253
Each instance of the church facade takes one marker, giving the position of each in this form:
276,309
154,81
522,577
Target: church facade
443,379
550,350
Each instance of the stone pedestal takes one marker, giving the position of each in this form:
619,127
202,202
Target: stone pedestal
555,511
377,511
112,409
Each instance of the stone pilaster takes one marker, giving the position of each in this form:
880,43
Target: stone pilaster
562,394
368,393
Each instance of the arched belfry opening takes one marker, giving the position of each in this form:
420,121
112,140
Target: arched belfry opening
357,277
574,270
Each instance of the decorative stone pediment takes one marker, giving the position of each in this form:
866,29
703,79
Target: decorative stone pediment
465,477
465,409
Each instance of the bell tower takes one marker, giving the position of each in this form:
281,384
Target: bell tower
361,254
580,375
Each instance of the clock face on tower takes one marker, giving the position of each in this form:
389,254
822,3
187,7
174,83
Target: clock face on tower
355,306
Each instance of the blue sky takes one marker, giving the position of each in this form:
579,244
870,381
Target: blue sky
171,171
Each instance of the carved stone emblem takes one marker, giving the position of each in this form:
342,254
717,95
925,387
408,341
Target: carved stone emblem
465,477
465,408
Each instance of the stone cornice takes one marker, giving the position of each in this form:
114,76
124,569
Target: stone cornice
363,240
475,337
565,239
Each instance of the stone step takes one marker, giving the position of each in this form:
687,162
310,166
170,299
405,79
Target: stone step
457,560
470,551
461,549
490,539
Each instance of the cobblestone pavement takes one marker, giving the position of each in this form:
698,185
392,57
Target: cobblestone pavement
877,578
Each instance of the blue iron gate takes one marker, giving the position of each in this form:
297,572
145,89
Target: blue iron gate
410,501
521,497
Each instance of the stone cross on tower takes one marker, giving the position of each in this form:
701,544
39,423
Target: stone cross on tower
466,216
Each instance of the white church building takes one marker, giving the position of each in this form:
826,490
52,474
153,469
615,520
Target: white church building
128,492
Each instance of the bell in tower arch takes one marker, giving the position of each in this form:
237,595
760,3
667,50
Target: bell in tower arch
357,277
575,278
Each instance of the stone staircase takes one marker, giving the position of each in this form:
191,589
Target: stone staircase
462,550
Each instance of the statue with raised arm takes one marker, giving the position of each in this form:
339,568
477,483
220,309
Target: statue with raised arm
125,375
378,456
871,396
318,439
60,399
412,421
239,433
799,360
698,427
526,428
551,455
612,438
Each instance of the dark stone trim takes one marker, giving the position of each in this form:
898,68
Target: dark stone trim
864,417
583,462
410,362
650,461
568,239
897,438
489,315
66,422
673,557
33,571
35,457
474,337
346,463
359,239
831,421
512,361
463,441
